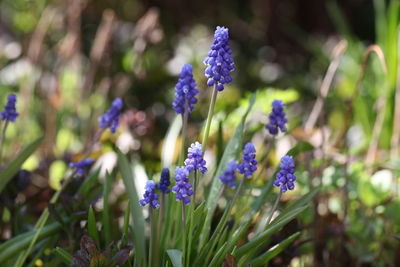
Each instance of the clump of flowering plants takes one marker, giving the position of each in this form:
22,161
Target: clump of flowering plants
188,215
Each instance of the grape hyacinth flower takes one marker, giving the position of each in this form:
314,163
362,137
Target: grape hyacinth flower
219,60
111,118
249,164
80,166
185,91
229,175
277,118
165,182
10,112
182,189
285,177
195,160
150,196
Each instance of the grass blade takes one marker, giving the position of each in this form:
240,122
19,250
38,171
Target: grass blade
271,229
136,209
63,255
15,246
105,218
15,165
175,256
231,152
92,227
168,149
273,252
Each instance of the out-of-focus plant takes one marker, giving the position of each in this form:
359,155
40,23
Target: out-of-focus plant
180,231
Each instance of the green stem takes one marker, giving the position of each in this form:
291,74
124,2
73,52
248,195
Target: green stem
237,192
161,215
3,136
151,236
184,234
95,140
192,206
185,117
194,187
209,117
159,243
264,158
274,207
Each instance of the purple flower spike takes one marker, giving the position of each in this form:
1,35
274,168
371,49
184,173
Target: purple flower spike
182,189
150,196
285,177
165,182
111,118
229,175
10,112
81,166
185,91
195,160
249,163
277,118
219,60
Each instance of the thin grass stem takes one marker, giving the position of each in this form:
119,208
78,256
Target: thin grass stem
274,207
209,117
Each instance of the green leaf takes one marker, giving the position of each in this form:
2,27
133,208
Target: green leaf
175,256
12,169
228,246
271,229
168,149
15,246
92,227
88,183
231,152
274,251
136,209
125,231
63,255
39,227
105,215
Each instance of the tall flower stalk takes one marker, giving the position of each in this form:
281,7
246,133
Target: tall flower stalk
194,163
151,197
285,179
277,123
185,99
247,167
219,64
163,186
183,191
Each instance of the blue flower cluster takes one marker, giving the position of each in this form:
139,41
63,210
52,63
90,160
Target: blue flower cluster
10,112
81,166
165,182
249,162
229,175
277,118
195,161
186,91
182,189
150,196
219,61
285,177
111,118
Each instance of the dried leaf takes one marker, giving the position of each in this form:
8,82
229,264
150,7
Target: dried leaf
229,261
